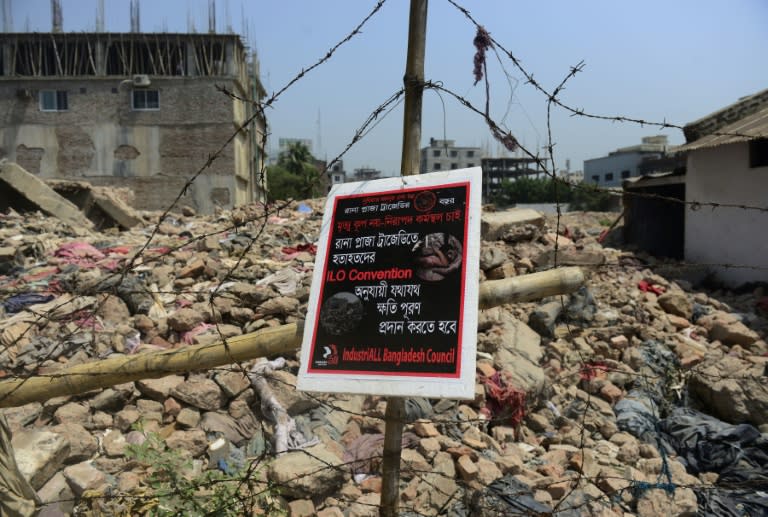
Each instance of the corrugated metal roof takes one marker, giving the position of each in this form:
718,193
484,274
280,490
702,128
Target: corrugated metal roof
654,179
749,128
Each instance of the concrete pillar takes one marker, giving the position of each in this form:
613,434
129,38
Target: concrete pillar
191,67
100,57
6,71
229,57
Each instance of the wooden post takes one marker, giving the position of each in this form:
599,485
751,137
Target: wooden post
414,88
409,164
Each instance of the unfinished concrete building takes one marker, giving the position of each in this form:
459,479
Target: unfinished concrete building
135,110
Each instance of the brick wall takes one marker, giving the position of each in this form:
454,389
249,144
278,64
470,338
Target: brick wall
101,136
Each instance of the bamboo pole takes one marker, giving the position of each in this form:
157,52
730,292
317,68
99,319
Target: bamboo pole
530,287
90,56
394,417
59,68
264,343
118,370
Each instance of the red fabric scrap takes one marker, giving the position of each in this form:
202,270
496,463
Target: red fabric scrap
84,255
78,250
189,336
592,369
311,248
40,275
505,401
119,250
85,320
647,287
162,250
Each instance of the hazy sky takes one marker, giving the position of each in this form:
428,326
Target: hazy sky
659,60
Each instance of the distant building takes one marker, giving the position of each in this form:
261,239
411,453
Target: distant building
136,110
444,155
573,176
624,163
336,174
366,174
284,143
498,170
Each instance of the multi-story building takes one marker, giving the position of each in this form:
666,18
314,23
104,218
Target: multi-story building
366,174
137,110
336,174
498,170
444,155
623,163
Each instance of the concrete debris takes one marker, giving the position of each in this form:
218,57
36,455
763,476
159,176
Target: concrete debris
102,205
497,225
22,190
542,432
39,454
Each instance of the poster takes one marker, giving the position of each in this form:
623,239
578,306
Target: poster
393,306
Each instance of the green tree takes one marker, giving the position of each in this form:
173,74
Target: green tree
283,184
591,199
533,190
295,175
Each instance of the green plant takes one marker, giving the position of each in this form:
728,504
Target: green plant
591,199
296,174
177,488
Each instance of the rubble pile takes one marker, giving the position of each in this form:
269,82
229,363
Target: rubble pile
604,402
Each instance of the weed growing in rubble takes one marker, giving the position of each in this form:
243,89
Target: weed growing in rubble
178,486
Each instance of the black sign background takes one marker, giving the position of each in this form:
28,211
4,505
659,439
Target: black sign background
356,344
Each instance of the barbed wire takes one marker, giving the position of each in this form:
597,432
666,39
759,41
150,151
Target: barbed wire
552,96
506,138
257,224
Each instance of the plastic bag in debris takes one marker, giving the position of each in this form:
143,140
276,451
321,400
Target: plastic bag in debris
658,357
705,444
285,281
505,497
637,414
737,502
417,408
738,453
132,341
21,301
662,363
133,291
581,307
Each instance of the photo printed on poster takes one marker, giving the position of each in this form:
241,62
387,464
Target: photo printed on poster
392,289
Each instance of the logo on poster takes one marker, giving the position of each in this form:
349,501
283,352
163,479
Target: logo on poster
330,355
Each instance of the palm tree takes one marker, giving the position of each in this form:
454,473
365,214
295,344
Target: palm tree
299,162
